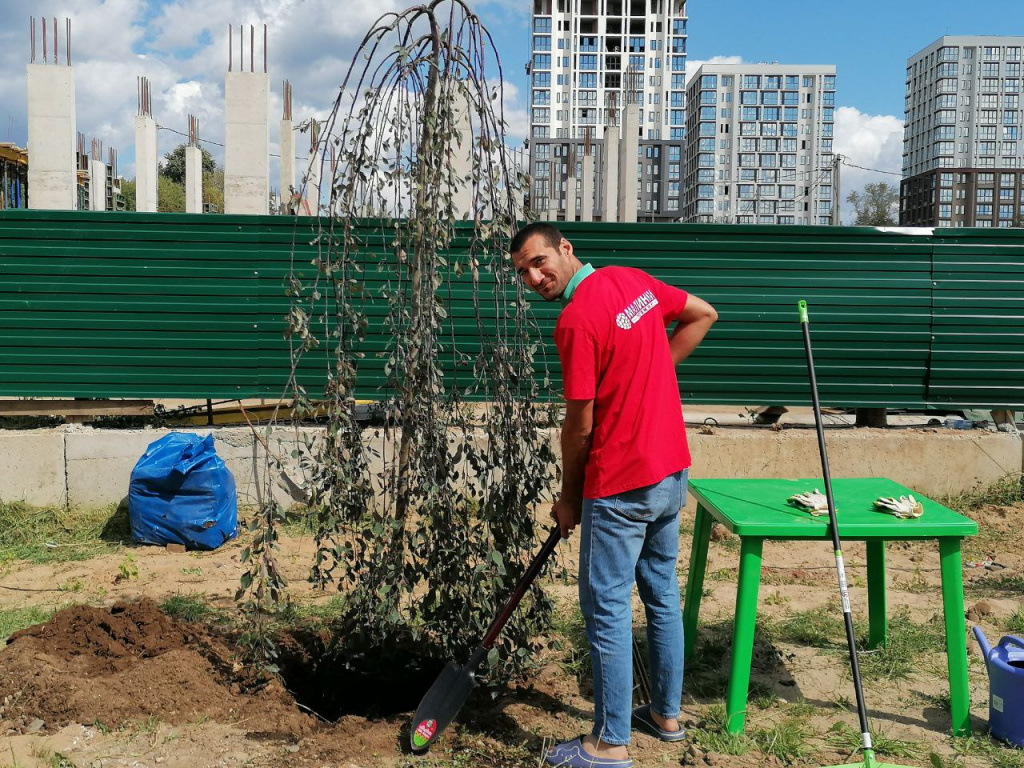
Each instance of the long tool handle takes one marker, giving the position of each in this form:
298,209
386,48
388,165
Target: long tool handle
834,525
524,583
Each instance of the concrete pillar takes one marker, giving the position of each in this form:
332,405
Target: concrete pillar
311,187
554,202
193,180
570,198
461,155
146,163
610,163
287,165
587,192
52,135
629,143
247,143
97,185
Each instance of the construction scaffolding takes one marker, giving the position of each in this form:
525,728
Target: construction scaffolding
13,177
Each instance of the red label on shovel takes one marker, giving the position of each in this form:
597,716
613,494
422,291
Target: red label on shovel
423,733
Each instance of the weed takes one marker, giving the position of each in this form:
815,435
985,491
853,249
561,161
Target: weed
819,627
577,648
935,760
1004,492
75,585
844,737
995,586
998,754
761,694
775,598
908,644
192,608
13,619
916,583
127,569
196,571
801,708
785,740
939,700
722,574
1015,623
713,736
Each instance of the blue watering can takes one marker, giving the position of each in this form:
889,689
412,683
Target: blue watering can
1005,664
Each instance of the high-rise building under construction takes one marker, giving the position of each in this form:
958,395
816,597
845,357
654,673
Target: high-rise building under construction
607,81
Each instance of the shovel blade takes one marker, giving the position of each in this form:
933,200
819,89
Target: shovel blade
440,705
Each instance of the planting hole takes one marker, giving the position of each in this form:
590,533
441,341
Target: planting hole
384,683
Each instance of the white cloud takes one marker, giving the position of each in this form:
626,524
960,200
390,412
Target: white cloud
182,47
872,142
692,65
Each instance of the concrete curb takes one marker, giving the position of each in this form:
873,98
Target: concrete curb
81,467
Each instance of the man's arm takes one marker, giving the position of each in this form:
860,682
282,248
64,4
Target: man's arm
691,327
577,431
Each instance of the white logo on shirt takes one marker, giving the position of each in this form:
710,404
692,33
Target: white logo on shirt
643,304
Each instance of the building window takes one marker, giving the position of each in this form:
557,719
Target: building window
542,25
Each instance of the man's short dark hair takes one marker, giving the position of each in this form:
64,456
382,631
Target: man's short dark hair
551,234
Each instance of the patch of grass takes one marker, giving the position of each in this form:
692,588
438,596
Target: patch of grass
775,598
995,586
761,694
786,740
192,608
916,583
712,736
908,643
311,615
998,754
47,534
801,708
935,760
1004,492
844,737
940,701
576,660
819,627
13,619
1015,623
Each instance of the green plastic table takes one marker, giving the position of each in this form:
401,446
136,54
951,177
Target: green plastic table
756,510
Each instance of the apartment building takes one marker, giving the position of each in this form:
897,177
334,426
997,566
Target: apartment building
759,145
591,59
963,152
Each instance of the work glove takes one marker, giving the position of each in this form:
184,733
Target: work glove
904,506
813,501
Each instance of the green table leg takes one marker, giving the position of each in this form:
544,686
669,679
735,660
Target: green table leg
743,633
877,619
695,578
956,633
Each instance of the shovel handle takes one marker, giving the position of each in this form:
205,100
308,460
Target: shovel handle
524,583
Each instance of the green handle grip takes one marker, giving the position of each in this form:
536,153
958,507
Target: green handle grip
802,306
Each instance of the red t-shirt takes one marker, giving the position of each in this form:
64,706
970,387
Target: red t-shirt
614,350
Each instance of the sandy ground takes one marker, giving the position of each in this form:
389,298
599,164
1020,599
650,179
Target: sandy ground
793,680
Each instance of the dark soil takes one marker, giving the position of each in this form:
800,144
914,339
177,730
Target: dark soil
132,662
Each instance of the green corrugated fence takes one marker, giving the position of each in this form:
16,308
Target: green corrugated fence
170,305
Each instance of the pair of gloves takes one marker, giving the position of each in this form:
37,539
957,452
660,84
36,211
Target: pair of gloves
816,503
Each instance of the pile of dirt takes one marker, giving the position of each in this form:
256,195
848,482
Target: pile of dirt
132,662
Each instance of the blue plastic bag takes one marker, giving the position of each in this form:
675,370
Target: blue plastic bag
181,492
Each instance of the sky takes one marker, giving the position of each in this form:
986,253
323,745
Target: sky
182,47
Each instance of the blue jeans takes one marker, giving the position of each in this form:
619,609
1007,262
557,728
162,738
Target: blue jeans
626,537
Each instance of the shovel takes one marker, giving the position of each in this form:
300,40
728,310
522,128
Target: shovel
453,686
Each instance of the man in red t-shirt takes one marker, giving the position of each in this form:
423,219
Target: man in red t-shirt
624,467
